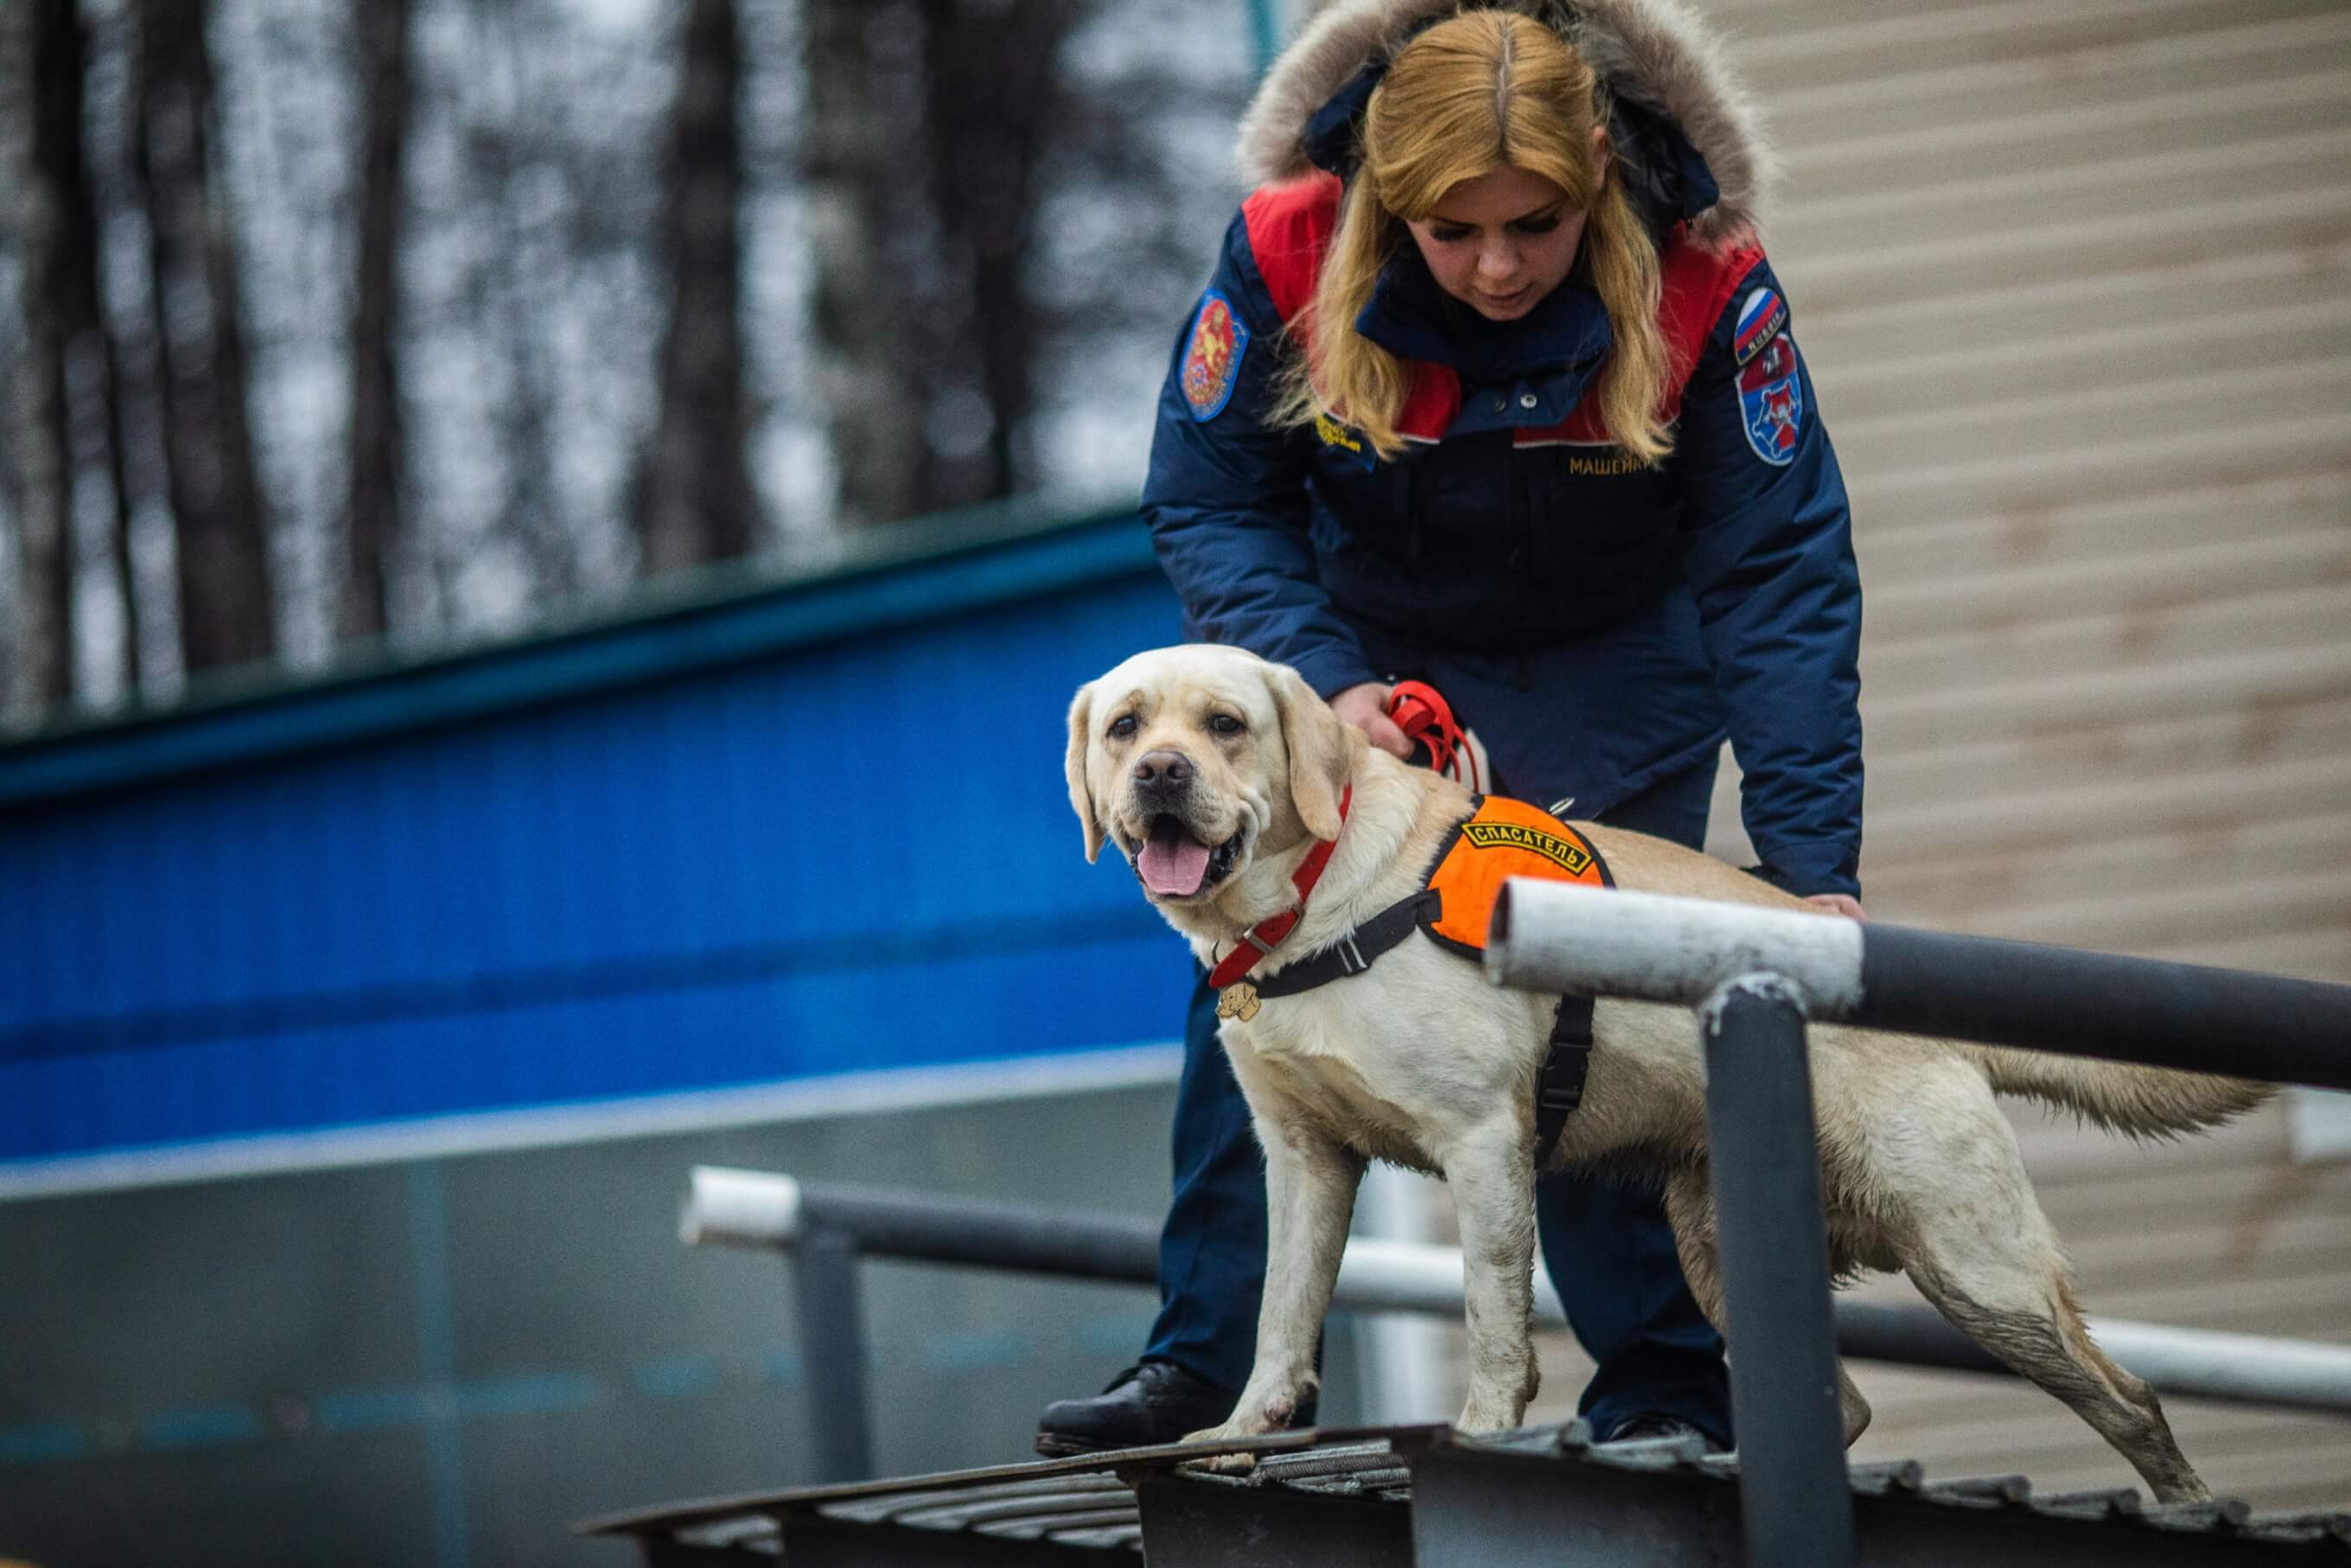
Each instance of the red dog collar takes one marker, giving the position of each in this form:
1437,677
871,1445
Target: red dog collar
1262,938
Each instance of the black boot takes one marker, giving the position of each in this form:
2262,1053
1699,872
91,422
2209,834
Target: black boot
1152,1403
1659,1428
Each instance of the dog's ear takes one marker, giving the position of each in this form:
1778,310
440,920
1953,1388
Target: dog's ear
1322,751
1082,796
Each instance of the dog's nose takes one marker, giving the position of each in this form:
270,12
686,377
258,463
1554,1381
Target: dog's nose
1160,775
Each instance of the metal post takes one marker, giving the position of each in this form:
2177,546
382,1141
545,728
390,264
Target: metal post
1405,1377
833,1356
1794,1498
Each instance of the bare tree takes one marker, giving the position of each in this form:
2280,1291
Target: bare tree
520,148
928,121
371,512
94,376
29,47
694,500
993,105
863,96
226,610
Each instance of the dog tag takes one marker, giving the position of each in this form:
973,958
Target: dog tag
1238,1001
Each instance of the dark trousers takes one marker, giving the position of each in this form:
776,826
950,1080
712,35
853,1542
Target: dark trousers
1607,1246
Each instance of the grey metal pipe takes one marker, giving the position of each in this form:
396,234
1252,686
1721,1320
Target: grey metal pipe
727,1207
1794,1502
1561,937
1555,937
733,1208
833,1364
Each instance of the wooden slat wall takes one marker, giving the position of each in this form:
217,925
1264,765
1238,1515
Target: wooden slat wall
2073,279
2071,276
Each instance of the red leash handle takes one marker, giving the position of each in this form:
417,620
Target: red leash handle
1427,720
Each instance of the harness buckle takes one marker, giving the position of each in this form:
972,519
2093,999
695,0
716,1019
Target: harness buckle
1559,1096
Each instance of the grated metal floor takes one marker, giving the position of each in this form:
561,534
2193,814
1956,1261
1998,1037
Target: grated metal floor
1426,1497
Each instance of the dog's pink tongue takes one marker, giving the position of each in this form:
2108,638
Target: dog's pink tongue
1173,865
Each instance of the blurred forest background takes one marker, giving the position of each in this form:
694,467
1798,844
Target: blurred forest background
414,321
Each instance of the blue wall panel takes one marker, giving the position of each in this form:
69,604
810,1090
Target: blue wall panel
852,855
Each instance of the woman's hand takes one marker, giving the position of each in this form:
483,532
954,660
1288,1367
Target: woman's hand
1838,903
1366,708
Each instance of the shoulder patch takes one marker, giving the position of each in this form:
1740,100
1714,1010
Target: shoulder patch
1212,357
1761,317
1771,400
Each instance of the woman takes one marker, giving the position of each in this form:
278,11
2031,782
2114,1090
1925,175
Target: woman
1494,389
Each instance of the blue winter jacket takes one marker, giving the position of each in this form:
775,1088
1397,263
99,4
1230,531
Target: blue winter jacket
1601,625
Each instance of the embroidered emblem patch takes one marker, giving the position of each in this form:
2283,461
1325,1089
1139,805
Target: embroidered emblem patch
1212,360
1567,857
1761,320
1771,400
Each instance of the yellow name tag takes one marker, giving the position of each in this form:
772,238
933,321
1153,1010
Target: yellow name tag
1334,434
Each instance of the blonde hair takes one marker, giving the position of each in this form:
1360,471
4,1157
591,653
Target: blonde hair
1478,92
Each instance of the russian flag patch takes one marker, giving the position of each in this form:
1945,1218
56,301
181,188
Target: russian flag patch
1762,319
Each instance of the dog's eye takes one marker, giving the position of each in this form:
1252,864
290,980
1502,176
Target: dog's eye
1225,723
1122,726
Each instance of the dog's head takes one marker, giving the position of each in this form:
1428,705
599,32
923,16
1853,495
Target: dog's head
1199,759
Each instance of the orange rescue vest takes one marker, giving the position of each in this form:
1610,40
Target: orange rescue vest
1504,839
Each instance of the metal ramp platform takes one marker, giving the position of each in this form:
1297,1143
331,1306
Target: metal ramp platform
1427,1497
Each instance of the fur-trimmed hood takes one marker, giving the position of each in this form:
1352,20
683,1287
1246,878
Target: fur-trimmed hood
1655,53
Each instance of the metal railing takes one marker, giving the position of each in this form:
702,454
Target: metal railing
829,1226
1757,977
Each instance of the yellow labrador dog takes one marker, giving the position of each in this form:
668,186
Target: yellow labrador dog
1215,773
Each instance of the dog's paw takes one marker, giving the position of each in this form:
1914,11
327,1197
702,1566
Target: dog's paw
1223,1464
1491,1415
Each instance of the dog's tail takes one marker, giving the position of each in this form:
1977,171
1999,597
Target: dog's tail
2122,1097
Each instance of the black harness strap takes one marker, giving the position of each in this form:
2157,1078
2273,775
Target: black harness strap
1560,1089
1355,951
